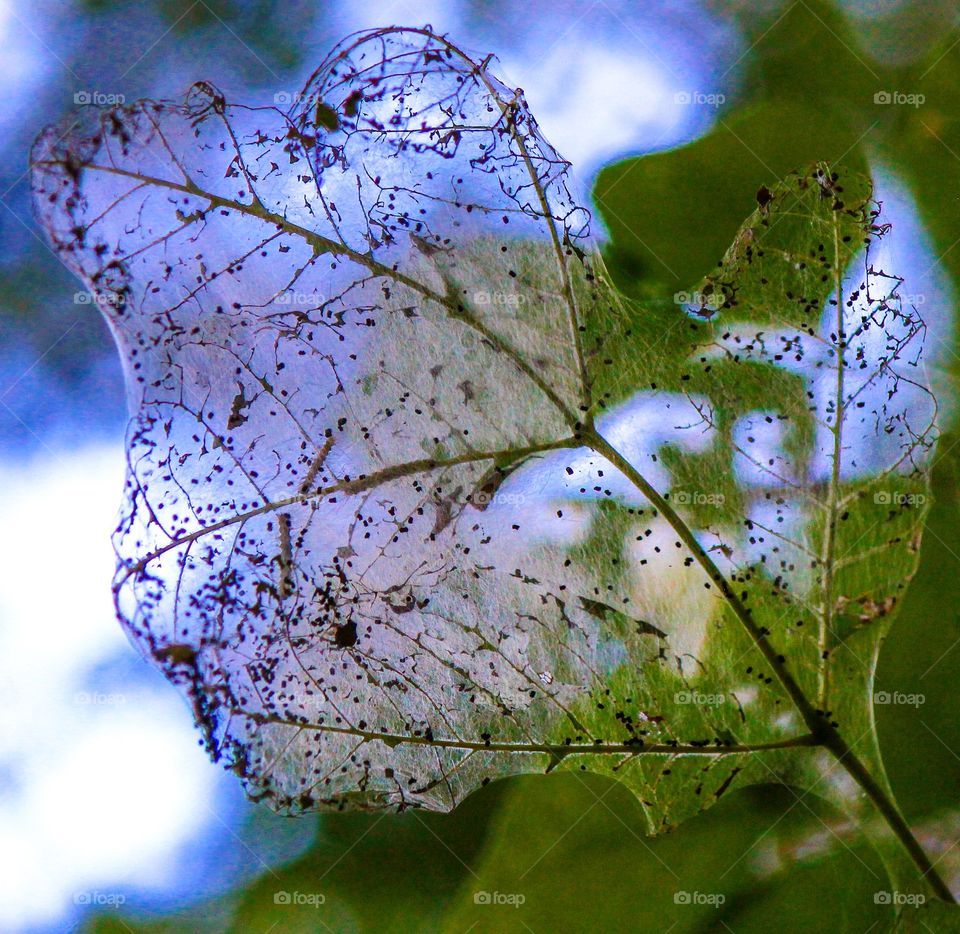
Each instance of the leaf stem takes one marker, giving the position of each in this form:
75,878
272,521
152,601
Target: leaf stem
810,714
888,809
824,732
347,485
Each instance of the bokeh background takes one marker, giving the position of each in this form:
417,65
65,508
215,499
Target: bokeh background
674,114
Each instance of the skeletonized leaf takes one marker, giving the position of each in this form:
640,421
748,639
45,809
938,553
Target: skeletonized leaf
395,516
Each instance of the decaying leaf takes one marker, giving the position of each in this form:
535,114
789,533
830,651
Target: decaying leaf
414,500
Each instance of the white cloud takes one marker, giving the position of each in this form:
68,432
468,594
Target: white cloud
98,787
595,101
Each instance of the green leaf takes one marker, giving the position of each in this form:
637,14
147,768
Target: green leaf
920,663
930,916
573,847
671,215
806,94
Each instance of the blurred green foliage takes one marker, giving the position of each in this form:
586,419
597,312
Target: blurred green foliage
264,26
